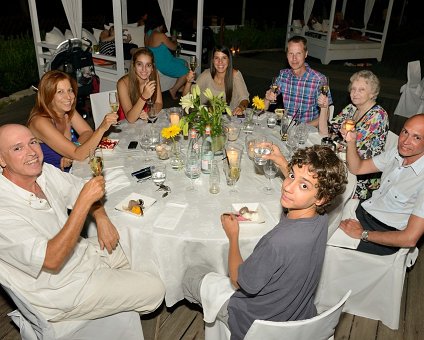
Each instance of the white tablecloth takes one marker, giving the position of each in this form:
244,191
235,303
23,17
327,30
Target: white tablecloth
198,238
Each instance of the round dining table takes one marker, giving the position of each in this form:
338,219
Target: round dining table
183,228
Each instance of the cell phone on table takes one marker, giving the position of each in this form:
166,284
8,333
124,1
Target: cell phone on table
133,144
142,173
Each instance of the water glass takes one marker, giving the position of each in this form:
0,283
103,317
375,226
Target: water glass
263,147
250,146
302,133
292,139
285,121
158,173
271,120
232,131
270,170
214,178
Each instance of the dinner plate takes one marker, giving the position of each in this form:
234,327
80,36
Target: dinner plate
122,206
252,207
108,144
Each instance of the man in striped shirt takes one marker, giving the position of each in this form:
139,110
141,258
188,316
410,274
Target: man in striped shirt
300,86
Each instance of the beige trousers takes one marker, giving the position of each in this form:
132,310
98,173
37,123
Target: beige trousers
115,288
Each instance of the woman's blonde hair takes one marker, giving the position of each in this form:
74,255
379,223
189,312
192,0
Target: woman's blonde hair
370,78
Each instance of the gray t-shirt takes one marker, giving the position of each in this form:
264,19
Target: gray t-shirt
279,279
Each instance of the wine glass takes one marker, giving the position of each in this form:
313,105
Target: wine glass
145,142
193,65
325,89
270,170
274,88
262,147
96,161
114,102
158,174
152,114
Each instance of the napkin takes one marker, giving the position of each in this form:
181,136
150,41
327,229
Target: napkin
116,179
214,291
170,216
341,239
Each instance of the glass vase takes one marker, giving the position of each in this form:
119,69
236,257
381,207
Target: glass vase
176,158
218,143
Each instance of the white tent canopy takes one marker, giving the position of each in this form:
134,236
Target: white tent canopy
109,76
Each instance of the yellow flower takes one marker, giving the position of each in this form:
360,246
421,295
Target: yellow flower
258,103
171,131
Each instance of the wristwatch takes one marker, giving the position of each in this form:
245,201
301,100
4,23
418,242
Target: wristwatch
364,236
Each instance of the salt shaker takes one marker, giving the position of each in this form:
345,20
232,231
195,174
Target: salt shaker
214,178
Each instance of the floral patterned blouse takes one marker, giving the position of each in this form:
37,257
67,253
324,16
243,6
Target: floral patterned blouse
371,133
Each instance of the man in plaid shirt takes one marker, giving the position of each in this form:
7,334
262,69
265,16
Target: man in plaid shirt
300,86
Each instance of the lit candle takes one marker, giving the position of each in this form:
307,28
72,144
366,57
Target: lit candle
162,151
233,158
174,117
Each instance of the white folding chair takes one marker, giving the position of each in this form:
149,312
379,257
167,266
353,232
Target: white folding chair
376,282
33,325
391,140
330,113
320,327
99,106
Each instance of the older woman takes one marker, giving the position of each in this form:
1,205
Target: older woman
139,85
222,77
370,121
63,133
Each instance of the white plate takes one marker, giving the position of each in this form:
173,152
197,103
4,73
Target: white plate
252,207
108,147
148,202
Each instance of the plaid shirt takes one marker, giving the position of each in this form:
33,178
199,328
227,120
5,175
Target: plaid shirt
300,94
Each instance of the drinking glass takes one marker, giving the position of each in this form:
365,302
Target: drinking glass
114,103
152,113
325,89
158,173
274,88
263,147
292,139
270,170
96,161
145,142
285,121
193,66
302,133
271,120
232,175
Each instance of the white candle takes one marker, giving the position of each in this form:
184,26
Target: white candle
174,117
232,158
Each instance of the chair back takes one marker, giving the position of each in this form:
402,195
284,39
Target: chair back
99,106
330,112
320,327
391,140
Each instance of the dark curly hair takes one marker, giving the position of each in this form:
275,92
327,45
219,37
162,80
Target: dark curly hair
330,171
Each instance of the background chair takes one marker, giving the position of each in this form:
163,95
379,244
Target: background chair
320,327
32,325
376,282
99,106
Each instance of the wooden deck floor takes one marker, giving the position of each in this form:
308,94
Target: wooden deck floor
184,321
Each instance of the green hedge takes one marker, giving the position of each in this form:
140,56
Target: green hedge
18,65
251,37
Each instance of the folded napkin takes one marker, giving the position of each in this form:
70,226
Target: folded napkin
341,239
116,179
214,291
170,216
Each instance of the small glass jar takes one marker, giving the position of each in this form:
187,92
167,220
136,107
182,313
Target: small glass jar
214,179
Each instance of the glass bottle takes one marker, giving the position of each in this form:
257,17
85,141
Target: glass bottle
207,153
192,168
214,179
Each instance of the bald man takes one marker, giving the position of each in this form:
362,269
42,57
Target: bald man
42,254
394,215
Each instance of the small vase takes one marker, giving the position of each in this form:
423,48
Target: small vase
248,124
218,143
176,159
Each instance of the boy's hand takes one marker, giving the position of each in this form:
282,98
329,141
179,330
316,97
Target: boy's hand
230,225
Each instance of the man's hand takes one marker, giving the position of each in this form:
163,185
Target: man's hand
230,225
107,234
93,190
352,228
322,101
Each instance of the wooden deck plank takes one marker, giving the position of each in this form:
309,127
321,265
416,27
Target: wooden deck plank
414,316
196,331
177,323
344,327
363,328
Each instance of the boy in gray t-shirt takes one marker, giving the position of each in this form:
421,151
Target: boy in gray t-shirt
277,282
